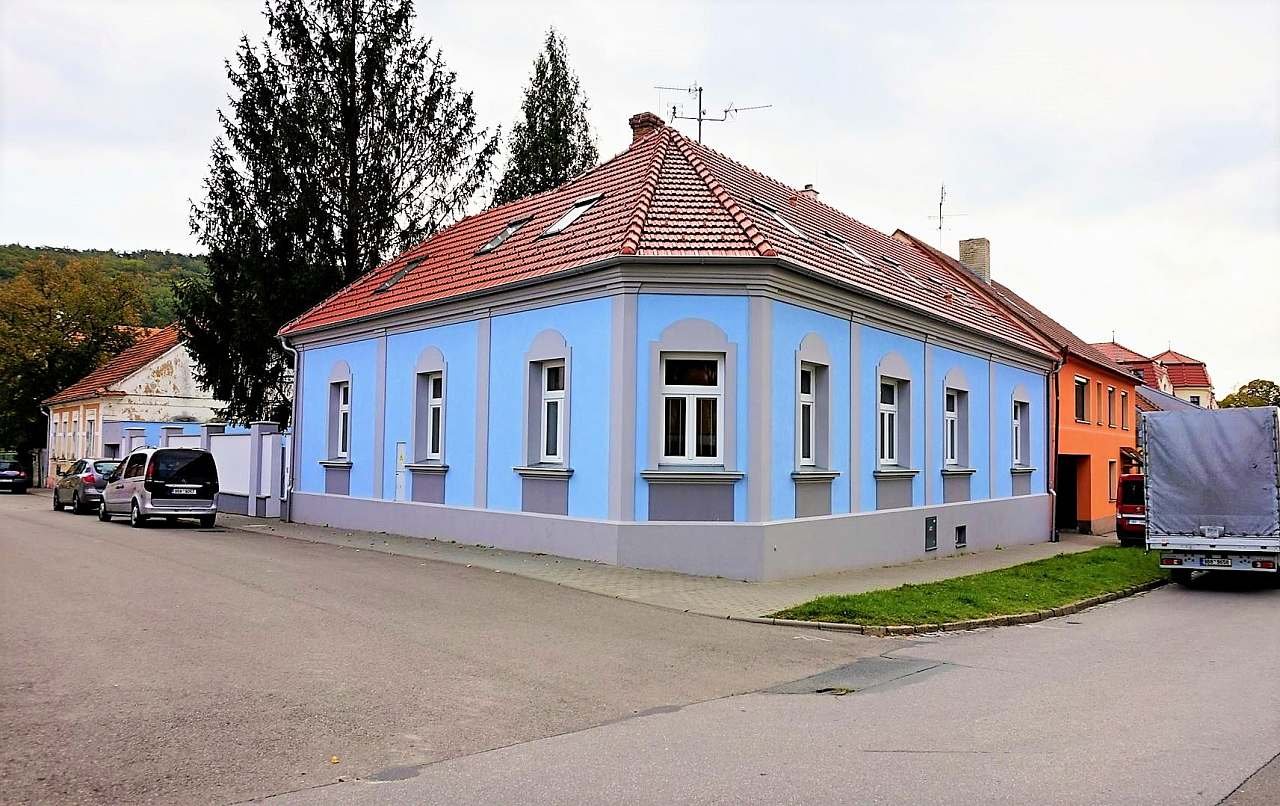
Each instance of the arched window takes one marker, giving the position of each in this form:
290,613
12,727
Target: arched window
893,412
429,407
339,429
548,400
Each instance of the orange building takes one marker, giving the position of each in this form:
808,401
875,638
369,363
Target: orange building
1093,426
1093,417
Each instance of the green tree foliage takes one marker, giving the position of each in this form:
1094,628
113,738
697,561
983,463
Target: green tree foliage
345,139
552,143
1257,392
155,271
58,322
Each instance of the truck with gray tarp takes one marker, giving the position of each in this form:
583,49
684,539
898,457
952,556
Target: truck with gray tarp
1213,489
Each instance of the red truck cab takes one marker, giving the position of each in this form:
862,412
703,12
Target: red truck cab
1131,508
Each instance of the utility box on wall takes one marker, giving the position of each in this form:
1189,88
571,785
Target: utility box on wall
931,533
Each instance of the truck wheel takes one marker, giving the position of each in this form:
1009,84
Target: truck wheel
1180,575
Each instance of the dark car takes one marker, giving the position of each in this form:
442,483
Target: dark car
13,477
1131,508
81,486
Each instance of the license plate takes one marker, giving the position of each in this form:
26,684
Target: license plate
183,492
1220,562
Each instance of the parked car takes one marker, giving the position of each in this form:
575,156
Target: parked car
13,477
1131,508
167,483
82,485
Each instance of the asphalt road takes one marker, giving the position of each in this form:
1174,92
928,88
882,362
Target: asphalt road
190,666
1166,698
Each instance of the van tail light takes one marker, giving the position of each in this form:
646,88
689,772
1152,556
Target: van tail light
151,472
1171,561
22,474
1268,564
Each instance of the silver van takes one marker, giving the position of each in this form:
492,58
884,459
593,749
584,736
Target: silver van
167,483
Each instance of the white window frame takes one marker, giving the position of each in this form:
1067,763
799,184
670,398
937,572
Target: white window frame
1124,410
1081,387
807,404
433,410
1018,459
887,422
342,443
89,435
1111,407
951,427
691,395
547,397
1113,479
1193,399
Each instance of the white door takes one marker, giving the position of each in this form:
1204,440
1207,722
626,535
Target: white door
401,459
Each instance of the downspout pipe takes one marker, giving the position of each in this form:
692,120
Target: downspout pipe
286,513
1052,469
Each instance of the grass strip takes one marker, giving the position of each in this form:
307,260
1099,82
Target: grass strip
1040,585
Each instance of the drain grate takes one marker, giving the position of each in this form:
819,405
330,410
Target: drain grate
857,676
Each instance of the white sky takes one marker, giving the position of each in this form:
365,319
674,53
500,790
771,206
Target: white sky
1124,159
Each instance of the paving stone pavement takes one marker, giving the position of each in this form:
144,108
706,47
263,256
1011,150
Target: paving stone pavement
710,596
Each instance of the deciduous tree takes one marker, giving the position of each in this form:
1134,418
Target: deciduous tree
552,143
1258,392
58,322
345,138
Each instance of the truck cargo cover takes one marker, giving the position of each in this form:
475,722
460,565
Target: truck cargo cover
1212,469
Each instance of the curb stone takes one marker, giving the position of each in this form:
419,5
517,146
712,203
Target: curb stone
880,630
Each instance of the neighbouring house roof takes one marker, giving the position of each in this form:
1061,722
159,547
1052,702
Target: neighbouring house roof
1040,322
1149,399
665,196
1119,353
1184,370
99,382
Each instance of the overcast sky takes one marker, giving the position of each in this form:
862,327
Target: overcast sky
1124,159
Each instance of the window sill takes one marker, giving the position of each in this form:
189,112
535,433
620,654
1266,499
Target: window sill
1021,469
957,470
427,467
894,472
544,471
813,475
692,474
337,463
1083,422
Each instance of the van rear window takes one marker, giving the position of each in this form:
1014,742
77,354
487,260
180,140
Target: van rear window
7,465
184,467
1131,492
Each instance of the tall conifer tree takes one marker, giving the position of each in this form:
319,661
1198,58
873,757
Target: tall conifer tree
552,143
344,139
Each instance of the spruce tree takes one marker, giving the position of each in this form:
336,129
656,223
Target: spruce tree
344,140
552,143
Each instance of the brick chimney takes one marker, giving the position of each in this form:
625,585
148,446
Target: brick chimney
975,254
810,191
644,124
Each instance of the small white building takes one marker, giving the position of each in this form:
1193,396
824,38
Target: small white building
151,382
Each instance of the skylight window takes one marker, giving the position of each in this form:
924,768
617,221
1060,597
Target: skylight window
399,275
773,212
890,261
506,233
579,208
848,247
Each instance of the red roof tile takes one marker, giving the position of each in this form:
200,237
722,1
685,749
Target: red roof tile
1184,370
1119,353
665,195
124,364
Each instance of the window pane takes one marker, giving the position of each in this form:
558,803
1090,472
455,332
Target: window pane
555,378
706,427
806,432
884,439
342,432
806,382
437,387
435,429
692,372
673,429
346,394
552,430
888,394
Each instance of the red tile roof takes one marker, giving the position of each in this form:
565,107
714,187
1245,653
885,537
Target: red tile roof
1184,370
1119,353
124,364
665,196
1152,371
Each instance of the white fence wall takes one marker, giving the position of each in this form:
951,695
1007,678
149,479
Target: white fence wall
232,454
185,441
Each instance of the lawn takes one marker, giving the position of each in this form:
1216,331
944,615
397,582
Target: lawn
1039,585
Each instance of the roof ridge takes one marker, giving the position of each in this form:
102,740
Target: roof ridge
635,228
758,241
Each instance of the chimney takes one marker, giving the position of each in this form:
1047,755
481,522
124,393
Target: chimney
975,254
643,124
810,191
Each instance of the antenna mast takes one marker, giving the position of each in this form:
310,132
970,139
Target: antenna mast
942,197
701,117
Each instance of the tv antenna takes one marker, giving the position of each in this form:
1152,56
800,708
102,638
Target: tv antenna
702,116
940,217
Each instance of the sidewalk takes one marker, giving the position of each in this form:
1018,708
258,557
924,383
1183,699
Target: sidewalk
710,596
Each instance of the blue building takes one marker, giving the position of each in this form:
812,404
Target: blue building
673,362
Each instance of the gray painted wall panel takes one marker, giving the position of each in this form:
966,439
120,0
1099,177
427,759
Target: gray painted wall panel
1021,483
813,498
548,496
893,493
337,480
427,488
955,488
690,502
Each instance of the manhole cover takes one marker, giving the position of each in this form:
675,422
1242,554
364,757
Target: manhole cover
857,676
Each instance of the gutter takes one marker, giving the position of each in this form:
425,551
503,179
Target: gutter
1053,455
286,510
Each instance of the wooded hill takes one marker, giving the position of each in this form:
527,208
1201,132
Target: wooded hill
155,271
